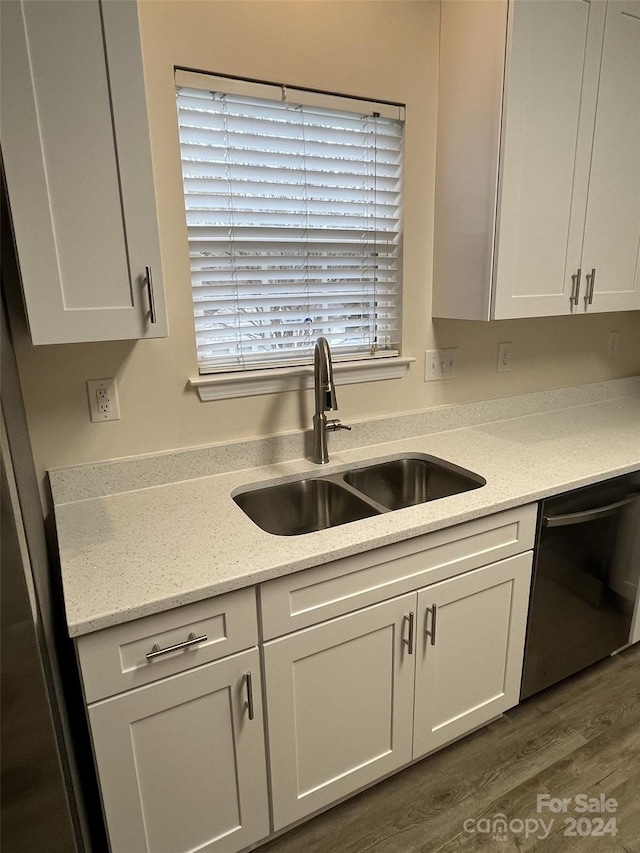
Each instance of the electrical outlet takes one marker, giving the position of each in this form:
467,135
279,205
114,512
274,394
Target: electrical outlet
441,364
504,357
103,400
613,344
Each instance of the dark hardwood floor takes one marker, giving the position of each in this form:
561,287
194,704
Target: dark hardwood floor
581,737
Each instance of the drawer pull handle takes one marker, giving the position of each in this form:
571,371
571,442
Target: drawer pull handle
408,641
156,651
249,703
152,301
432,633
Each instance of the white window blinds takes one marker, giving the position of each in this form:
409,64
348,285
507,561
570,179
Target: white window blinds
294,223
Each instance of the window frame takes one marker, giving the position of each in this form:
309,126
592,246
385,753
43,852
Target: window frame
215,382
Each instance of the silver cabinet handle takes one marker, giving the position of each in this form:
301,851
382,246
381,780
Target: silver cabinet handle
408,641
588,514
152,302
591,282
575,290
249,684
433,610
156,651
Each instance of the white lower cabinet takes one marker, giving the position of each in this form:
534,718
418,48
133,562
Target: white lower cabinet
175,712
340,706
369,663
181,761
471,632
357,697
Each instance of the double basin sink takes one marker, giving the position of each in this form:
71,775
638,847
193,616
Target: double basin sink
316,503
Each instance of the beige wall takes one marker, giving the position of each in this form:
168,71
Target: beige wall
386,50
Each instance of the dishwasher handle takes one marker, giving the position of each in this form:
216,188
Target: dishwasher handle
588,514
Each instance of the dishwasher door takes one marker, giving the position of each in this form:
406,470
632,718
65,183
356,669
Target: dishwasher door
585,581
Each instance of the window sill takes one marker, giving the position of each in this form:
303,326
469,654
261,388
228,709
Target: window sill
224,386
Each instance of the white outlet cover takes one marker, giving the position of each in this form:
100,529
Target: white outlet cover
103,400
504,357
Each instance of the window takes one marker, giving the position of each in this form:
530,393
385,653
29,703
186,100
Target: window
293,206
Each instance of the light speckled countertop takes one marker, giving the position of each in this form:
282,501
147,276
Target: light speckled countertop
131,553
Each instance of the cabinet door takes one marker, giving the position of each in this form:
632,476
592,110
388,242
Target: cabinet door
612,231
340,702
181,765
77,159
551,81
470,643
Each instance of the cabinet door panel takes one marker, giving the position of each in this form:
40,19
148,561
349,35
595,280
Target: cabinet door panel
550,99
131,131
472,671
80,187
181,766
340,704
612,232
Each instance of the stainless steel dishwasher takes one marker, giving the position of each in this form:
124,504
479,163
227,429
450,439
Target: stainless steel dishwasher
585,580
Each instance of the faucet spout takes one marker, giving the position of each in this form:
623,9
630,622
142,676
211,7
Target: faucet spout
325,390
326,400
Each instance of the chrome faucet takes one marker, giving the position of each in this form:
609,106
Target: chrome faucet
325,394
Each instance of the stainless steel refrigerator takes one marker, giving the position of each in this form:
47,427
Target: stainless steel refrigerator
45,758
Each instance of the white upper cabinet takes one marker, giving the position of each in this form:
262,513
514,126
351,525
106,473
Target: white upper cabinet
612,230
549,108
538,171
77,160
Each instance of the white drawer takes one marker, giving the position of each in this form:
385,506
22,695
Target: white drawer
311,596
115,659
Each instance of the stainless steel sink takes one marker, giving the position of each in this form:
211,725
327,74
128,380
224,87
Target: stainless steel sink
315,503
303,506
413,480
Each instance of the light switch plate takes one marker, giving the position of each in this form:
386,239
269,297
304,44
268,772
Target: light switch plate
103,400
441,364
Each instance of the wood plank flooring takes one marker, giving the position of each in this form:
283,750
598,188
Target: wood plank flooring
579,737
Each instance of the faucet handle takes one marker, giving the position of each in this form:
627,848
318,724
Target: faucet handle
335,425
